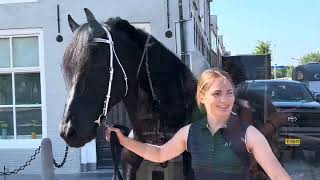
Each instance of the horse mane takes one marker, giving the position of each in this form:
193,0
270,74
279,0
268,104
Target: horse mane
173,74
77,53
173,70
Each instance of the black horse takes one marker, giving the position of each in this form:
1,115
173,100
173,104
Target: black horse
159,94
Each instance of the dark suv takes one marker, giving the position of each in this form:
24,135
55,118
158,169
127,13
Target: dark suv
293,97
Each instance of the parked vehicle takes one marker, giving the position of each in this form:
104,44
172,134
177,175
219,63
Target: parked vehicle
309,74
303,127
247,67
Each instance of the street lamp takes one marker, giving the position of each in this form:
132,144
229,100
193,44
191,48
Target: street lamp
298,60
275,71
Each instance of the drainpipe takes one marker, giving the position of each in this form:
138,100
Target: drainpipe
182,39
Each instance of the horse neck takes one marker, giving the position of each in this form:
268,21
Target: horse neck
139,100
136,107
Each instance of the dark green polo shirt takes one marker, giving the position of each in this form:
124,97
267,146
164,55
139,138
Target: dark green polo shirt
212,156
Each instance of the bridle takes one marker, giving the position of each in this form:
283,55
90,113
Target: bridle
102,119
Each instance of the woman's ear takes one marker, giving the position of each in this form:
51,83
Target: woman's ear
201,98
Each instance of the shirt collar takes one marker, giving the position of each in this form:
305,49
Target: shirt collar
204,122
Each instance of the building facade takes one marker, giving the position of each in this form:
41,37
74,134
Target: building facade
32,88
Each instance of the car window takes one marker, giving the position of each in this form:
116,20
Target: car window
286,92
257,87
281,91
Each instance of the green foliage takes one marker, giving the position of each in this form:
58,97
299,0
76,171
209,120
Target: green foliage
289,71
34,124
4,125
262,48
283,73
311,57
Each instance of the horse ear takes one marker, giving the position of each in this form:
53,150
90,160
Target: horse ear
72,24
95,27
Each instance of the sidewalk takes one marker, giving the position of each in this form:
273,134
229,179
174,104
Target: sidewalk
95,175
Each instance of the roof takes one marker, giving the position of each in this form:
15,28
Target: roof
274,80
312,67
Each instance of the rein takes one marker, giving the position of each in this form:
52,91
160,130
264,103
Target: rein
145,54
102,119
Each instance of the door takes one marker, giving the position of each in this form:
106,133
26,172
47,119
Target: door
117,115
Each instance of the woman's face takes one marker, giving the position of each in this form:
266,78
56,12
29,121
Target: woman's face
219,99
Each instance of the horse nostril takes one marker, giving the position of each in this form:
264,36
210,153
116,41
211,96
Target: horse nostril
70,132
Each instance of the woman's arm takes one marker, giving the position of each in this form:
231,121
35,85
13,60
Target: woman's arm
258,145
174,147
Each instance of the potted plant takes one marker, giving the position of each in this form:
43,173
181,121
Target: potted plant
33,130
3,126
33,125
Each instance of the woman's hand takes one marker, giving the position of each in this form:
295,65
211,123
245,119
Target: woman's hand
117,131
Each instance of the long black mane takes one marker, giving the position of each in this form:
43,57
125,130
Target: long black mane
77,53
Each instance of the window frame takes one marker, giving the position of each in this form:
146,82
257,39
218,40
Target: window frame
11,33
214,41
202,13
145,26
16,1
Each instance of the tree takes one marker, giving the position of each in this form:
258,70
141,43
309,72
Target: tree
280,73
262,48
289,71
285,72
311,57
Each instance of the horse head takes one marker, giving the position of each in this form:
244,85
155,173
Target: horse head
86,66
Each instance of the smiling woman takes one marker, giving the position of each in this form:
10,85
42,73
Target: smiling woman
219,144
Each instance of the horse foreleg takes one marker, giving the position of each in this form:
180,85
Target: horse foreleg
131,164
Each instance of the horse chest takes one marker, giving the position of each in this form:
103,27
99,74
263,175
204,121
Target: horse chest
151,129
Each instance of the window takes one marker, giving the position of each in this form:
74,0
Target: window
144,26
214,42
16,1
289,92
21,104
202,13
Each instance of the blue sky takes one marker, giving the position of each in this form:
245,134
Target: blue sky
292,26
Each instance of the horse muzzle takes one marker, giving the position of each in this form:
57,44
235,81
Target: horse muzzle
71,136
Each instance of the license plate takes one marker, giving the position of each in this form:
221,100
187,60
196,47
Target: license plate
292,142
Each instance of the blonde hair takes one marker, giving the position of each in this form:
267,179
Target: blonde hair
205,81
